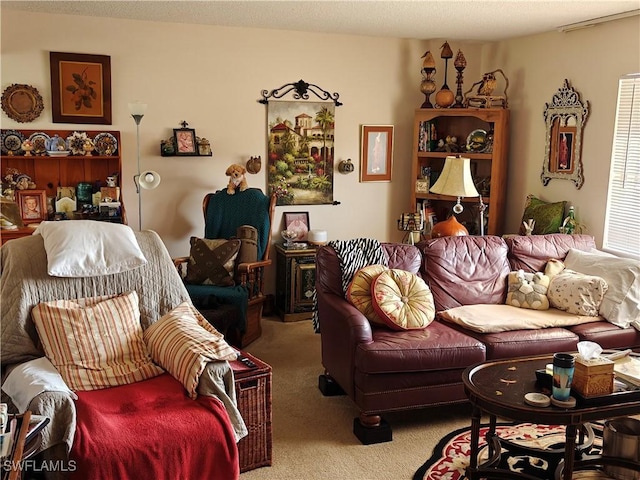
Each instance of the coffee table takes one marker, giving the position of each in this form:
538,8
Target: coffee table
498,387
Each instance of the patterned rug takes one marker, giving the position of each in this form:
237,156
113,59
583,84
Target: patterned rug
451,456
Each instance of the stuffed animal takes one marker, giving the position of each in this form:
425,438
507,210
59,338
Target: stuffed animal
528,290
236,173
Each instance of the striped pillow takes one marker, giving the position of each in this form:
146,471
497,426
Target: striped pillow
95,342
183,342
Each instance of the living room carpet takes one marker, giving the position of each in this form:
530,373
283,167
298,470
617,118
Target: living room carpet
450,456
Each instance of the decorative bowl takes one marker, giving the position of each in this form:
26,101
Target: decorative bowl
289,236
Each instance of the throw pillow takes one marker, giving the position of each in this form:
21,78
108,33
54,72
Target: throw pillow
359,291
95,342
183,342
86,248
528,290
621,302
402,300
548,216
553,268
212,261
577,293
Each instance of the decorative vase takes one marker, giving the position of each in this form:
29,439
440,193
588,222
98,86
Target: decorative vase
449,228
428,86
445,97
460,63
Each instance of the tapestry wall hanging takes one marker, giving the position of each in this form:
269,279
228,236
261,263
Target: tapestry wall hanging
301,151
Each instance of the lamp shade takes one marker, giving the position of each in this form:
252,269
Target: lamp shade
455,179
137,108
149,179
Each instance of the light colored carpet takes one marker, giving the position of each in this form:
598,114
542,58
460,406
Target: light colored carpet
312,434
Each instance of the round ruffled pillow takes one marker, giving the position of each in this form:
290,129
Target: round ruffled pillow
359,291
402,300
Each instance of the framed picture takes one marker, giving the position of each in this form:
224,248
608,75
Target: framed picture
185,141
299,223
80,88
33,205
377,153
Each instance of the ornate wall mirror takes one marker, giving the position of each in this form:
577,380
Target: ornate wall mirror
565,117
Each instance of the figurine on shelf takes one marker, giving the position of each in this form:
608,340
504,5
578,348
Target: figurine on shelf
448,144
88,146
27,146
445,97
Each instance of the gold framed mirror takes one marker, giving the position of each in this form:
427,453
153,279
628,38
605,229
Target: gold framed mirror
565,117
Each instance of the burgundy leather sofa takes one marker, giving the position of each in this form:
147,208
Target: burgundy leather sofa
383,370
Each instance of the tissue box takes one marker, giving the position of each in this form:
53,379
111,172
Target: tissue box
593,377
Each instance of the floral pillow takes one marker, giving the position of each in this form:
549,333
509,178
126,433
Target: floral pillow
528,290
577,293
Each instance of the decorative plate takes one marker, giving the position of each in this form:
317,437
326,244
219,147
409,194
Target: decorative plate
476,141
22,103
106,144
39,141
12,142
75,142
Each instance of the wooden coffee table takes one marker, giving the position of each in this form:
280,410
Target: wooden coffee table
497,388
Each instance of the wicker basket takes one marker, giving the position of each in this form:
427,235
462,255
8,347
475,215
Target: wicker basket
253,390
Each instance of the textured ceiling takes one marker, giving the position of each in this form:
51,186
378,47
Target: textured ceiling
420,19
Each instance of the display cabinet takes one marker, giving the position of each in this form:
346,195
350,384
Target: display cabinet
480,134
50,171
295,283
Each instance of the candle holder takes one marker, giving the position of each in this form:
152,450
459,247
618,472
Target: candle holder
460,63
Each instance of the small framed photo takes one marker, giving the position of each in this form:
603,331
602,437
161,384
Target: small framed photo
299,223
377,153
33,205
185,141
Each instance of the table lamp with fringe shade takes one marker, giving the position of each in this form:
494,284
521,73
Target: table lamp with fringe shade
455,181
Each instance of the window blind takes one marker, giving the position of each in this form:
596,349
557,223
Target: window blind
622,220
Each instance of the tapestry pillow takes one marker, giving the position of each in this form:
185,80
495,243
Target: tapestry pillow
577,293
548,216
183,342
212,261
402,300
95,342
621,302
86,248
528,290
359,291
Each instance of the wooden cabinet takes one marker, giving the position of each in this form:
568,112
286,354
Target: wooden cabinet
295,283
49,173
488,163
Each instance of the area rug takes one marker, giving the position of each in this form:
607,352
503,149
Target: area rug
450,456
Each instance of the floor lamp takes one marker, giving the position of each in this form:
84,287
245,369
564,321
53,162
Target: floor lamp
137,111
456,181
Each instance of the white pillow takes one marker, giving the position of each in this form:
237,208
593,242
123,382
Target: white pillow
88,248
621,303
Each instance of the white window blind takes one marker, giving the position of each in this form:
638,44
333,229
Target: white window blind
622,221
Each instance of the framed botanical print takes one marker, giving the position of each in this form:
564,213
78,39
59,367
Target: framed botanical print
185,141
377,153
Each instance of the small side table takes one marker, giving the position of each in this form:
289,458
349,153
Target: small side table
253,392
295,283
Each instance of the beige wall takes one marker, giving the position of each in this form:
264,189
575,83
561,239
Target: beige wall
212,77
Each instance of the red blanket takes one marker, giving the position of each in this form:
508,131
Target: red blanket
152,430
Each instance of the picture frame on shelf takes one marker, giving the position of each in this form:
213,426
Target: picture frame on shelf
376,158
299,223
32,204
80,88
185,141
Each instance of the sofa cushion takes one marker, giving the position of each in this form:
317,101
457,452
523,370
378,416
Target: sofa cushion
621,302
465,270
402,300
528,290
548,216
359,291
577,293
532,252
504,318
95,342
183,342
212,261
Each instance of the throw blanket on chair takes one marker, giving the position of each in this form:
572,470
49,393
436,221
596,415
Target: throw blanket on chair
155,431
353,255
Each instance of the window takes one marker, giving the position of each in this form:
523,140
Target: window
622,220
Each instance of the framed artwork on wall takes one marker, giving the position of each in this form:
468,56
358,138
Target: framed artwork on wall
299,223
185,141
80,88
33,205
376,158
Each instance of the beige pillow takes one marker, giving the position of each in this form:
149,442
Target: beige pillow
577,293
359,291
95,342
212,261
183,342
528,290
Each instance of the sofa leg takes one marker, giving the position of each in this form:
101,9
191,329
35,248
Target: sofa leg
328,386
372,429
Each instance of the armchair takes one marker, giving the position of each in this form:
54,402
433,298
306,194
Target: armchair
224,215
